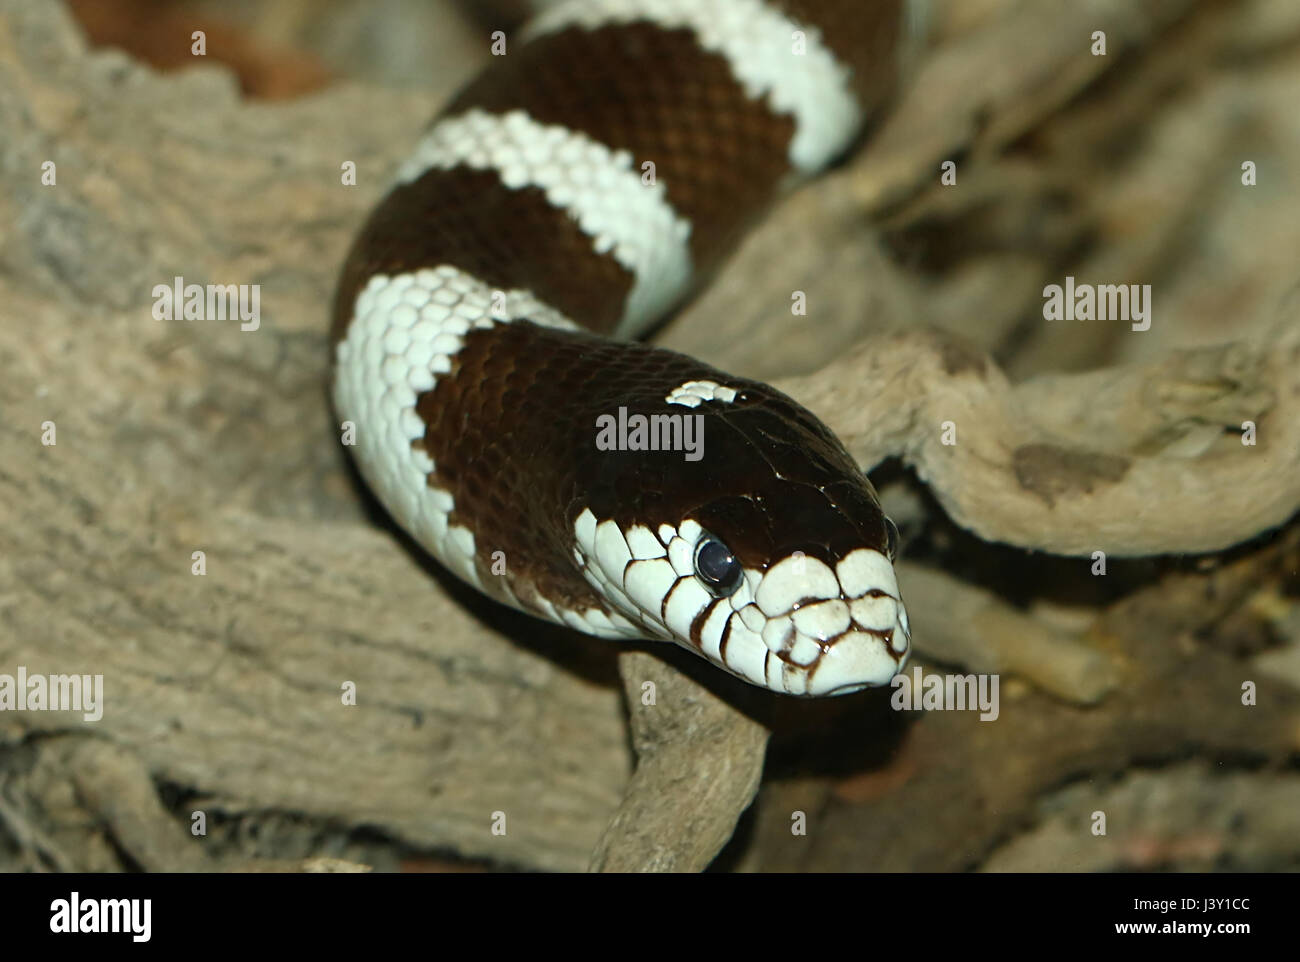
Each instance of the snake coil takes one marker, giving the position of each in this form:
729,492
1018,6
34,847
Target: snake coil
566,200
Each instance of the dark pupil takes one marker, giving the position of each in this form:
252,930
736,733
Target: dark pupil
716,565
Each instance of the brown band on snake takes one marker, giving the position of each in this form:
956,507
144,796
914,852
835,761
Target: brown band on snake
509,238
489,433
484,432
719,153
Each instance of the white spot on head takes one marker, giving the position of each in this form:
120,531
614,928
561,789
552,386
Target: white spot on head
826,641
694,393
813,649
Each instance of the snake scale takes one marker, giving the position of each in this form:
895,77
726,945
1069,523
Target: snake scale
564,202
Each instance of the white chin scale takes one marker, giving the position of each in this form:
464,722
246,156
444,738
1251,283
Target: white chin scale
799,627
821,631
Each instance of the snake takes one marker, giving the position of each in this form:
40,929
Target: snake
489,365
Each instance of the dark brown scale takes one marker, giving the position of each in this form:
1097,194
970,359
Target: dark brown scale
863,35
524,470
656,94
507,238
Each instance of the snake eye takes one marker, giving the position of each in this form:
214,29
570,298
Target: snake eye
717,567
891,539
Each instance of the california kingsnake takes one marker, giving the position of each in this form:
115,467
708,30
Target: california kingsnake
576,191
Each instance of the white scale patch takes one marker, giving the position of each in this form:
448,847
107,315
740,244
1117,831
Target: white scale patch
650,577
861,570
643,543
404,333
792,579
681,555
822,621
758,42
601,189
648,583
694,393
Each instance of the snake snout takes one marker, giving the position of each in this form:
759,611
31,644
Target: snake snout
861,659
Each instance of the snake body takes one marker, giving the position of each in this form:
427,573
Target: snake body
571,195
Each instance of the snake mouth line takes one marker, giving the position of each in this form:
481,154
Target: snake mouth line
851,689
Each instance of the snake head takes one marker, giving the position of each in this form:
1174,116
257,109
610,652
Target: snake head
804,619
770,555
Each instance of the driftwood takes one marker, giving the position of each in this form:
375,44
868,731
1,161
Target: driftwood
677,813
1073,464
487,736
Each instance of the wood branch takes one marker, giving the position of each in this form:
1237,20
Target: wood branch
958,624
232,683
699,762
970,92
1009,467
